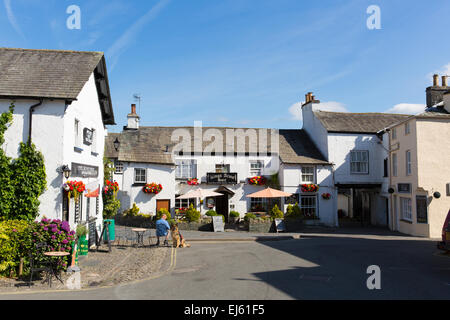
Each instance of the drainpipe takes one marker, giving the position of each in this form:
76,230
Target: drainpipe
30,123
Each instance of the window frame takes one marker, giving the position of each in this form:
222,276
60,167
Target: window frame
394,133
355,162
315,207
118,164
407,128
135,176
182,164
308,174
76,133
223,166
408,162
394,165
406,215
258,171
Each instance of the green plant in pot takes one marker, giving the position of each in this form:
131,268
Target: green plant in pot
83,244
234,216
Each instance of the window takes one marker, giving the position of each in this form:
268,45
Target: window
184,203
385,167
394,133
405,207
308,174
222,168
256,168
258,204
118,167
394,164
76,133
140,175
421,208
407,128
94,141
404,188
408,162
186,169
308,205
359,162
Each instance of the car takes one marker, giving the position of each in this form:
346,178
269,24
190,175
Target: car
445,243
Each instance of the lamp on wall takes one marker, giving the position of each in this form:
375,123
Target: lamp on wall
117,144
437,194
66,171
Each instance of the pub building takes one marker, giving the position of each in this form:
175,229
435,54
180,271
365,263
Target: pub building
152,156
66,119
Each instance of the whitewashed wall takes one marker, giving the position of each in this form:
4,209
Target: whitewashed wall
53,135
315,129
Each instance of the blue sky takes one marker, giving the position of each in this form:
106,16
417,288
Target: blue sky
246,63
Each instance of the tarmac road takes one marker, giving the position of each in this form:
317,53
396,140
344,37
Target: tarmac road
317,266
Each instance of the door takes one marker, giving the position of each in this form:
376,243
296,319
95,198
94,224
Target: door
162,204
222,206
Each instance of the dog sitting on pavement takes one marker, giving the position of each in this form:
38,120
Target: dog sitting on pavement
177,238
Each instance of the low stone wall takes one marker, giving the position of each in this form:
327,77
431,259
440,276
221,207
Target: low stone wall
261,226
293,225
204,225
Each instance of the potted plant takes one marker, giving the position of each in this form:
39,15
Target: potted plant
152,188
74,189
257,181
193,182
234,216
326,196
83,244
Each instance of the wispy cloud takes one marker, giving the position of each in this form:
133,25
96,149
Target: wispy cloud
407,108
296,109
121,44
12,18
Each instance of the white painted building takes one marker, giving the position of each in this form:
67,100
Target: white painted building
62,103
222,163
359,156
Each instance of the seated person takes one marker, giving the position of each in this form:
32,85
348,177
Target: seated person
162,229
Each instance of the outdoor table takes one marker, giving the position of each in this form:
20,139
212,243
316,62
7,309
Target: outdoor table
140,236
54,263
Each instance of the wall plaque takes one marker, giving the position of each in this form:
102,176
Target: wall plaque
84,171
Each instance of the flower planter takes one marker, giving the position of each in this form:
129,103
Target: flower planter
310,187
257,181
261,226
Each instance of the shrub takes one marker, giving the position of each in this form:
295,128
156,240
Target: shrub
132,212
235,214
14,244
192,215
249,216
211,213
276,213
160,213
111,207
294,212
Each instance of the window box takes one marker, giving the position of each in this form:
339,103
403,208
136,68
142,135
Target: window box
257,181
310,187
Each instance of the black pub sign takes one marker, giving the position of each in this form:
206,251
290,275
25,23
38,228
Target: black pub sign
84,171
222,178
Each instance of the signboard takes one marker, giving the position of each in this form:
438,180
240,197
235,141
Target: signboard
84,171
87,136
404,188
218,224
222,178
279,224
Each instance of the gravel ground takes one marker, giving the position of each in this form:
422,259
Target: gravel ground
123,264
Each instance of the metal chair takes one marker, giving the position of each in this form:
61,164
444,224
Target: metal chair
43,265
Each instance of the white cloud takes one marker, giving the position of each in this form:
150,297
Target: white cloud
12,18
407,108
333,106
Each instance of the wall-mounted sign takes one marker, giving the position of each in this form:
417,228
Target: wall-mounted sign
87,136
222,178
84,171
404,187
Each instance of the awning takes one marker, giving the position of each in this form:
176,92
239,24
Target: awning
199,193
224,190
269,193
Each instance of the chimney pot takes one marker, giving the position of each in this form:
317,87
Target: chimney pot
133,109
435,80
444,81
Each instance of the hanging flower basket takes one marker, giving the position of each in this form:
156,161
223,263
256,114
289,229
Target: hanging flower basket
152,188
257,181
310,188
111,188
74,189
193,182
326,196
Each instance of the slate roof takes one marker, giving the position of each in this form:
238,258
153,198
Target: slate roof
149,145
53,74
341,122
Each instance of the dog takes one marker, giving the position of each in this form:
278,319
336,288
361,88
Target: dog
177,238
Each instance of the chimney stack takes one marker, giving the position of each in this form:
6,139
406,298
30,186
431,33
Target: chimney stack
133,119
435,80
435,93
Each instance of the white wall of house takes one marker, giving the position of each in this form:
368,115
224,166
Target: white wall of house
53,135
315,129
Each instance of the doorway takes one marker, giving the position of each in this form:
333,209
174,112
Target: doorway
162,204
222,206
